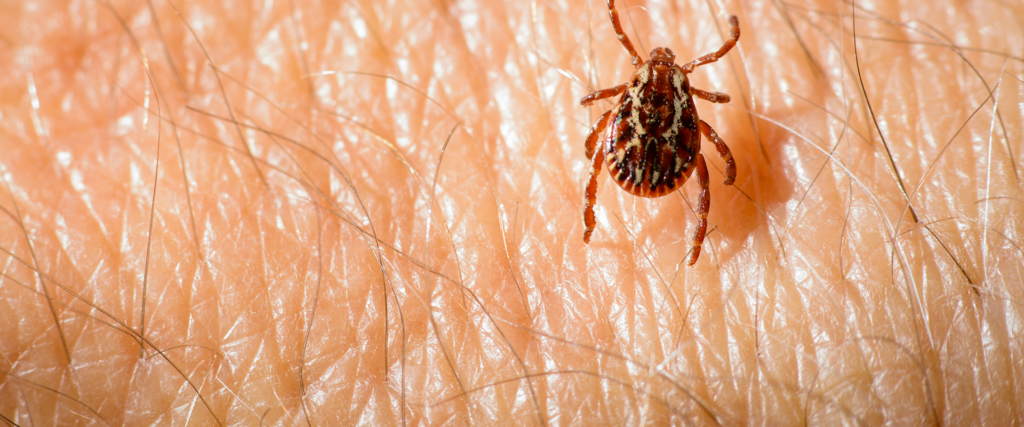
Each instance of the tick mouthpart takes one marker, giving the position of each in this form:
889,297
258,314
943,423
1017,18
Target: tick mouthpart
663,56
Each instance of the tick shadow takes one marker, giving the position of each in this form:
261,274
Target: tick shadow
786,181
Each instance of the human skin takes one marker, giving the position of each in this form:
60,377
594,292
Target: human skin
350,248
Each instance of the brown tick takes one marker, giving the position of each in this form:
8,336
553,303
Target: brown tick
651,139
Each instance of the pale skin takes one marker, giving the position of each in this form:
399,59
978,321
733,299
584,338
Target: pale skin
290,279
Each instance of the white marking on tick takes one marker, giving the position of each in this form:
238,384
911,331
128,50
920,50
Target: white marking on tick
677,81
635,142
673,130
643,75
678,78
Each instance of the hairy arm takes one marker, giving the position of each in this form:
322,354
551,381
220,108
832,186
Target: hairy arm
308,213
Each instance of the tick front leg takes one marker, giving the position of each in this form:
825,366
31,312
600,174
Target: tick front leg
716,97
602,94
633,56
596,161
723,150
734,27
703,206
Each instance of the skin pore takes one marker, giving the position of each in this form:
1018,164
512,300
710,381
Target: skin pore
335,213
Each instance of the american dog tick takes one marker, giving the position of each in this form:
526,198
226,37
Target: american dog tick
651,139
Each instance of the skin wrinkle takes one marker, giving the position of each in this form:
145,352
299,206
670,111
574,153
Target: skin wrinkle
817,299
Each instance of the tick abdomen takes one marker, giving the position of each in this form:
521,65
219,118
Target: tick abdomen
654,136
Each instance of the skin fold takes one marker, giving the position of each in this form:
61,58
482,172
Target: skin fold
338,213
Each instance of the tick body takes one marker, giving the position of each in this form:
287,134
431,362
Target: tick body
650,141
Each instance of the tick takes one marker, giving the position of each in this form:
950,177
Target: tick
650,141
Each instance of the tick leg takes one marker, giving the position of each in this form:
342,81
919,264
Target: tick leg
602,94
703,206
589,220
734,27
633,56
596,132
716,97
597,160
723,150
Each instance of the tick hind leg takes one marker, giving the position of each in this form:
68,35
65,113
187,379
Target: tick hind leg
734,28
597,160
703,206
723,150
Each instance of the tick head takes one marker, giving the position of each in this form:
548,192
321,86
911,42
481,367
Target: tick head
663,56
